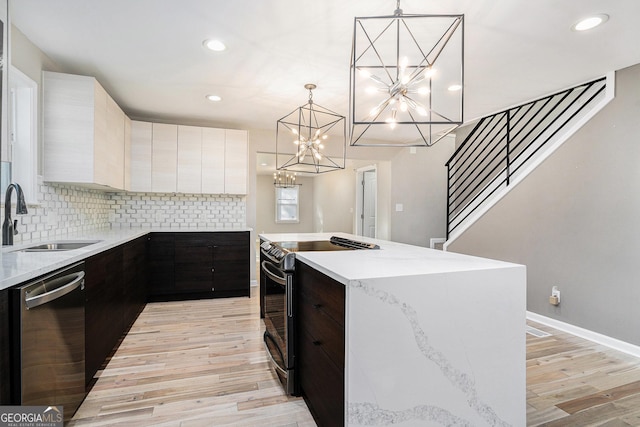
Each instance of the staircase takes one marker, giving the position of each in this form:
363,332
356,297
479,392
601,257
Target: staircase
503,148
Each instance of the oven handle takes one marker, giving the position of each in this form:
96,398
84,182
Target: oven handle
280,280
266,254
266,347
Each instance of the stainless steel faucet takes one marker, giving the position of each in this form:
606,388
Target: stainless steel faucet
9,228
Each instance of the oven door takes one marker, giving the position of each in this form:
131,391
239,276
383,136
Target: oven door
279,335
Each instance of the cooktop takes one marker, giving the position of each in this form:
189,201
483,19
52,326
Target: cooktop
334,244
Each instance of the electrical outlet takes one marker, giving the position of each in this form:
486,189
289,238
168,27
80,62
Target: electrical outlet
554,299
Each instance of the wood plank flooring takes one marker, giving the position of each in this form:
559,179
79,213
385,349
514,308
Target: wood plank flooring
575,382
190,364
202,363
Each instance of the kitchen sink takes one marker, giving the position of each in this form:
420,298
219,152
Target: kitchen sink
60,246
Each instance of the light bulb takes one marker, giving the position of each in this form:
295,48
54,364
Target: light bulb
430,71
422,111
391,122
296,142
325,136
403,105
364,73
423,90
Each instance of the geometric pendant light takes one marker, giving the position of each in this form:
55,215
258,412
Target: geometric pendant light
406,79
311,139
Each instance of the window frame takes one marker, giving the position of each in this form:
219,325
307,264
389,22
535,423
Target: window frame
279,203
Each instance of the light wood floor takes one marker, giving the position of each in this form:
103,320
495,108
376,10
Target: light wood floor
201,363
574,382
191,364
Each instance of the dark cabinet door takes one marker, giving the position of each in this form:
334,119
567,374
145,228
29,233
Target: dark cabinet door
321,344
231,262
161,273
104,309
5,367
135,279
193,262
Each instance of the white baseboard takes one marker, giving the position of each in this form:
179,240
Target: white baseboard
595,337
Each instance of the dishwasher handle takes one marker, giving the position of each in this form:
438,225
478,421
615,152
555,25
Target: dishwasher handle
63,286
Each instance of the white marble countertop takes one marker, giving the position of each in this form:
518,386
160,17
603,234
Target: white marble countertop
19,267
391,260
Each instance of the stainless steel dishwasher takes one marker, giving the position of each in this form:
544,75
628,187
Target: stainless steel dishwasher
48,340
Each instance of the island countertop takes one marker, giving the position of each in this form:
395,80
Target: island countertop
391,260
18,267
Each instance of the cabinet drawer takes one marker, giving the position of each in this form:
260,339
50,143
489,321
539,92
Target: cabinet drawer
322,383
231,238
325,332
320,291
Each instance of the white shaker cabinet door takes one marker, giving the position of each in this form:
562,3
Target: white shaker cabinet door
164,158
236,159
141,154
213,142
189,159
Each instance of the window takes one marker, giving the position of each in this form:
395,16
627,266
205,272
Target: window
287,204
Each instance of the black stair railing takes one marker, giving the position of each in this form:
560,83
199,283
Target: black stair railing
499,145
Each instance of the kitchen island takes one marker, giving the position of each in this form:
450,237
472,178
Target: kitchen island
430,337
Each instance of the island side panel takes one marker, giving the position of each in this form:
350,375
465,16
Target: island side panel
439,348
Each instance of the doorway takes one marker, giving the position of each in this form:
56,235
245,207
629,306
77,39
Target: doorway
366,201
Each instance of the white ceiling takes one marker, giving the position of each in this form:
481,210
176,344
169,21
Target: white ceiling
148,54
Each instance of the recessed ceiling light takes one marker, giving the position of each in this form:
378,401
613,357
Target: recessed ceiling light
454,88
214,98
590,22
214,45
263,164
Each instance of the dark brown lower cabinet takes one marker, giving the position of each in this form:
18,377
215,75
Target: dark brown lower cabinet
187,265
104,308
115,294
134,258
5,355
321,344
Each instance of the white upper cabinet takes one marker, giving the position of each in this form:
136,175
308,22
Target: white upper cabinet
188,159
189,178
141,152
127,153
164,158
213,170
236,159
84,132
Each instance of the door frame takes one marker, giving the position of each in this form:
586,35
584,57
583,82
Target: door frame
357,218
